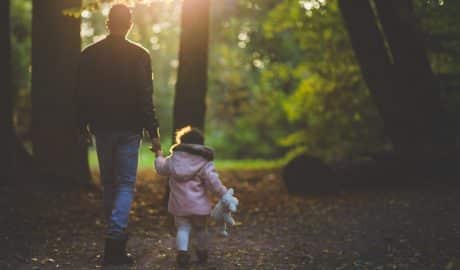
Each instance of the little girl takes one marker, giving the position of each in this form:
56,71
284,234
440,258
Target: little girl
191,174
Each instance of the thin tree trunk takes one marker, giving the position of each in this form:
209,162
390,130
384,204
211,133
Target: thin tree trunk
6,97
192,77
376,67
189,103
55,51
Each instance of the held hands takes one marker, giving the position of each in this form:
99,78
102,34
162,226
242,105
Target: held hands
156,147
85,137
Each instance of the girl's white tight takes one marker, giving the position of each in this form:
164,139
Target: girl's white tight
187,225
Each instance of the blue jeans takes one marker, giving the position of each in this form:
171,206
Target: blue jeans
117,152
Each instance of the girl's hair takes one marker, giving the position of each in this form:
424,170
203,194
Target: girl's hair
191,135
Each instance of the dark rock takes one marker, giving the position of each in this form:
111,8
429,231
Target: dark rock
306,174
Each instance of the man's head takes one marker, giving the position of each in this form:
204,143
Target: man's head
119,21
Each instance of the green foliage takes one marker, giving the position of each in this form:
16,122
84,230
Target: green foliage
441,32
282,75
329,104
21,18
305,88
245,119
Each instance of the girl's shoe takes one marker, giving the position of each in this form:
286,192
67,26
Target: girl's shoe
183,258
202,255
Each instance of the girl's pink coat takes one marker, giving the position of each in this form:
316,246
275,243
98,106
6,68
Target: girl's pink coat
190,176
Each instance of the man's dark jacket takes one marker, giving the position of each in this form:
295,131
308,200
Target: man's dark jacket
115,87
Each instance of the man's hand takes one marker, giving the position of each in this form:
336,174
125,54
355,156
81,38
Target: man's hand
86,138
156,145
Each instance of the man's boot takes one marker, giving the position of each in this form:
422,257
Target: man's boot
115,252
183,258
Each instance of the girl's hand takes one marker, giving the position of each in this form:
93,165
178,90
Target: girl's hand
159,153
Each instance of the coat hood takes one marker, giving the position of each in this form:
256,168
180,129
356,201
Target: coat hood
188,159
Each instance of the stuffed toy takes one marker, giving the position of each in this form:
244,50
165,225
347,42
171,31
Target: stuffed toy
223,210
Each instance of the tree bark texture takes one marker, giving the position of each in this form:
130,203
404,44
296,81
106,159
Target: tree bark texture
6,96
396,69
56,45
191,88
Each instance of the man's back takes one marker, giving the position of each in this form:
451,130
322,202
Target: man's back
114,96
115,86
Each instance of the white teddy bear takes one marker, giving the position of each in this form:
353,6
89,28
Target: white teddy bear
223,210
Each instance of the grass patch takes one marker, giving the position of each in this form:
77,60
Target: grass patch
146,159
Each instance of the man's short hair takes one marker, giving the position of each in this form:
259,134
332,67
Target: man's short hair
119,16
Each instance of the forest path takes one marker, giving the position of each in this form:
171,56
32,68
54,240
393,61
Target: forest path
365,229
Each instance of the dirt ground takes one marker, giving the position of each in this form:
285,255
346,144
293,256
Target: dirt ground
416,228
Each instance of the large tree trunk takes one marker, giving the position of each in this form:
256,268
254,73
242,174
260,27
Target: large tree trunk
55,51
376,67
409,104
6,99
189,103
413,73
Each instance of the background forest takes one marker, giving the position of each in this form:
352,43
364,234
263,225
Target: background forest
335,121
283,78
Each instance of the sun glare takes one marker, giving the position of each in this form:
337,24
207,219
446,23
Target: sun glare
311,5
142,2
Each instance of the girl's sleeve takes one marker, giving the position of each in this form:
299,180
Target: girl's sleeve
162,166
212,180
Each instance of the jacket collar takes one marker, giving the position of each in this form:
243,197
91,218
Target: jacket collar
194,149
115,37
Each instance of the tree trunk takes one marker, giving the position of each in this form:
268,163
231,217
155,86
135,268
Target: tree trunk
414,75
395,66
55,51
376,67
6,97
192,77
189,103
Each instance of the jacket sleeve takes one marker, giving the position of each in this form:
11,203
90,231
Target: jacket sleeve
145,96
162,166
212,181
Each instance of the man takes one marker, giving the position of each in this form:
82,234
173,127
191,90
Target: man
114,98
